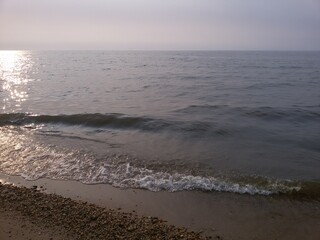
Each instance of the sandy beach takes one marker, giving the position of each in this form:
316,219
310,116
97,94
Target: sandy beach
28,213
13,225
136,213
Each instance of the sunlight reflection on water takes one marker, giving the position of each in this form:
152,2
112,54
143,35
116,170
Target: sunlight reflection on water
14,67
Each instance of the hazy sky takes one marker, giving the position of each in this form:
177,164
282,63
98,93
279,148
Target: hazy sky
160,24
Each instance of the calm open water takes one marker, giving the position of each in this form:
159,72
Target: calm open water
246,122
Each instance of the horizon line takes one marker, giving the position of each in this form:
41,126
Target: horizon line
172,50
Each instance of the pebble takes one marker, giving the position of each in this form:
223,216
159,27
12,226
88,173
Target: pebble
87,221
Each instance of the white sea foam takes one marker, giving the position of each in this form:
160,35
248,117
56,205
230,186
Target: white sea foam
129,176
31,160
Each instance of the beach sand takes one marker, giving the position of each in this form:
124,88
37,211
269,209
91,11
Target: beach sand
15,226
75,219
219,215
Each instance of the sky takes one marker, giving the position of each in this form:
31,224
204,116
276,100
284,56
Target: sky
160,24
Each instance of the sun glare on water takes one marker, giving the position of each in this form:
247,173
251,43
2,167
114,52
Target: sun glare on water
14,66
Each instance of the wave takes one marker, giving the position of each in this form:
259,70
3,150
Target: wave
125,175
311,113
33,160
91,120
113,120
295,114
212,122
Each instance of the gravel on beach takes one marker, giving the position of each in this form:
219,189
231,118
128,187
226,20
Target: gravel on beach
82,220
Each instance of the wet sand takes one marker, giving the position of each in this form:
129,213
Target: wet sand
220,215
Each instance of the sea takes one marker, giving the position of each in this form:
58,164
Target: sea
246,122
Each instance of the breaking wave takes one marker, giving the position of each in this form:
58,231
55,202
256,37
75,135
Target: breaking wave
91,120
111,120
32,160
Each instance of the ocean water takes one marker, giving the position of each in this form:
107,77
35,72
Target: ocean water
244,122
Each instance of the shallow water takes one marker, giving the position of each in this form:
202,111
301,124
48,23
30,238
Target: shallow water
244,122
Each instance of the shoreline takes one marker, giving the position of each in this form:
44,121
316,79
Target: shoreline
215,214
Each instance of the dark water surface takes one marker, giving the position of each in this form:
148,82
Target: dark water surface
246,122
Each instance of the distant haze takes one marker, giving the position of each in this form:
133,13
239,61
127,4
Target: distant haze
160,24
